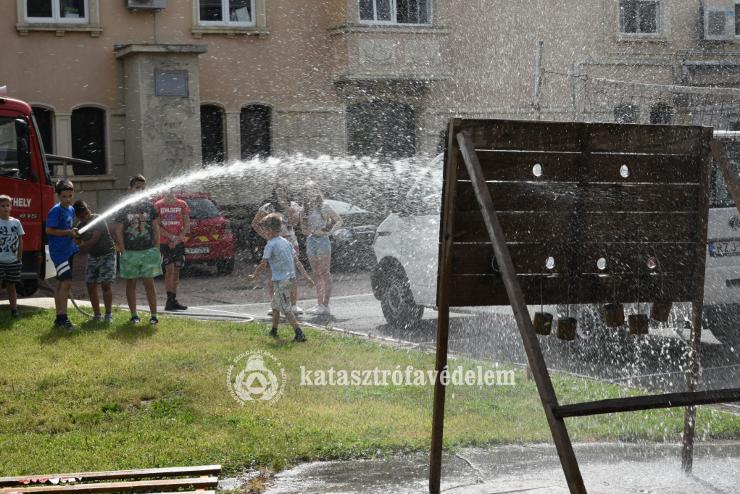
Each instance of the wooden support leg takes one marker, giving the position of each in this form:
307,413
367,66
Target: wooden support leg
435,461
692,373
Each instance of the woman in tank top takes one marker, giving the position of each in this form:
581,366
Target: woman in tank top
318,222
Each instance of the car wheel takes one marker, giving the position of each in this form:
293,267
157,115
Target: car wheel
225,267
397,302
26,288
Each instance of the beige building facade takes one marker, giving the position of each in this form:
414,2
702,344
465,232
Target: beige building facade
140,89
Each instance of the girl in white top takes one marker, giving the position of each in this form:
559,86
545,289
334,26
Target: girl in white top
319,221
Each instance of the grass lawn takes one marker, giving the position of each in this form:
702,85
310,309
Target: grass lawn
131,397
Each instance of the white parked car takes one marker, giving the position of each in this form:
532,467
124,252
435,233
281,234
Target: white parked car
406,247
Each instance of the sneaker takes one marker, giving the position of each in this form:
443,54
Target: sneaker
296,310
273,332
312,310
108,318
135,320
178,306
299,337
97,318
64,323
322,310
153,320
169,305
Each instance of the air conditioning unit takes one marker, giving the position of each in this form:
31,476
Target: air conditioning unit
146,4
719,23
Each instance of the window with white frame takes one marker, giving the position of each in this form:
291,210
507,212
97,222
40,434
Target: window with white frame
395,11
226,12
639,16
57,11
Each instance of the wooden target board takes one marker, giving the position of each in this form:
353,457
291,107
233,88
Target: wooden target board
575,213
633,196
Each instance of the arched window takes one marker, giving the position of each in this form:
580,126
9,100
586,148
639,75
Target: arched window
626,113
255,128
212,134
88,140
45,122
381,128
661,113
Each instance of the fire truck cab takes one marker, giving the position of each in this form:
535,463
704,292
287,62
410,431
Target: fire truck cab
24,176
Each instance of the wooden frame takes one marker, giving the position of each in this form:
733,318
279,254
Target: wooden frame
494,200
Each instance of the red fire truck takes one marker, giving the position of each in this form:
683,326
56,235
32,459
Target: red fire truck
25,176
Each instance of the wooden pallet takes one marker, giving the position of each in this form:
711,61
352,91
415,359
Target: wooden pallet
200,479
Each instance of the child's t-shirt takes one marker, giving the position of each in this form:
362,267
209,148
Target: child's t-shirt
104,246
11,232
318,219
61,248
279,254
138,230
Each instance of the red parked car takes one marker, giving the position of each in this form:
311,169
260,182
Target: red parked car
211,241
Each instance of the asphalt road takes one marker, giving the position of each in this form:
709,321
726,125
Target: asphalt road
651,362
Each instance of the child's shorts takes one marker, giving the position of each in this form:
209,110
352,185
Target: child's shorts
281,296
317,246
64,269
173,255
141,263
101,269
10,272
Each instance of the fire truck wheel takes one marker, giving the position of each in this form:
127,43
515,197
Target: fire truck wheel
26,288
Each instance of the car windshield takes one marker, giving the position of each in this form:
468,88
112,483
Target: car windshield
343,208
201,208
425,195
8,147
719,196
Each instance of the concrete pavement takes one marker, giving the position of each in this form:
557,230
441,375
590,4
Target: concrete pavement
607,468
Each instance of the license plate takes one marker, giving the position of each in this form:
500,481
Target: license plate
196,250
724,248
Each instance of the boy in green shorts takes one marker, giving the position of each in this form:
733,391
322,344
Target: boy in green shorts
136,231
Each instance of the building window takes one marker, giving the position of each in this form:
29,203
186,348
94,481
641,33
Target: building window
255,122
626,113
45,123
212,134
57,11
661,113
737,19
381,128
226,12
639,16
395,11
88,140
